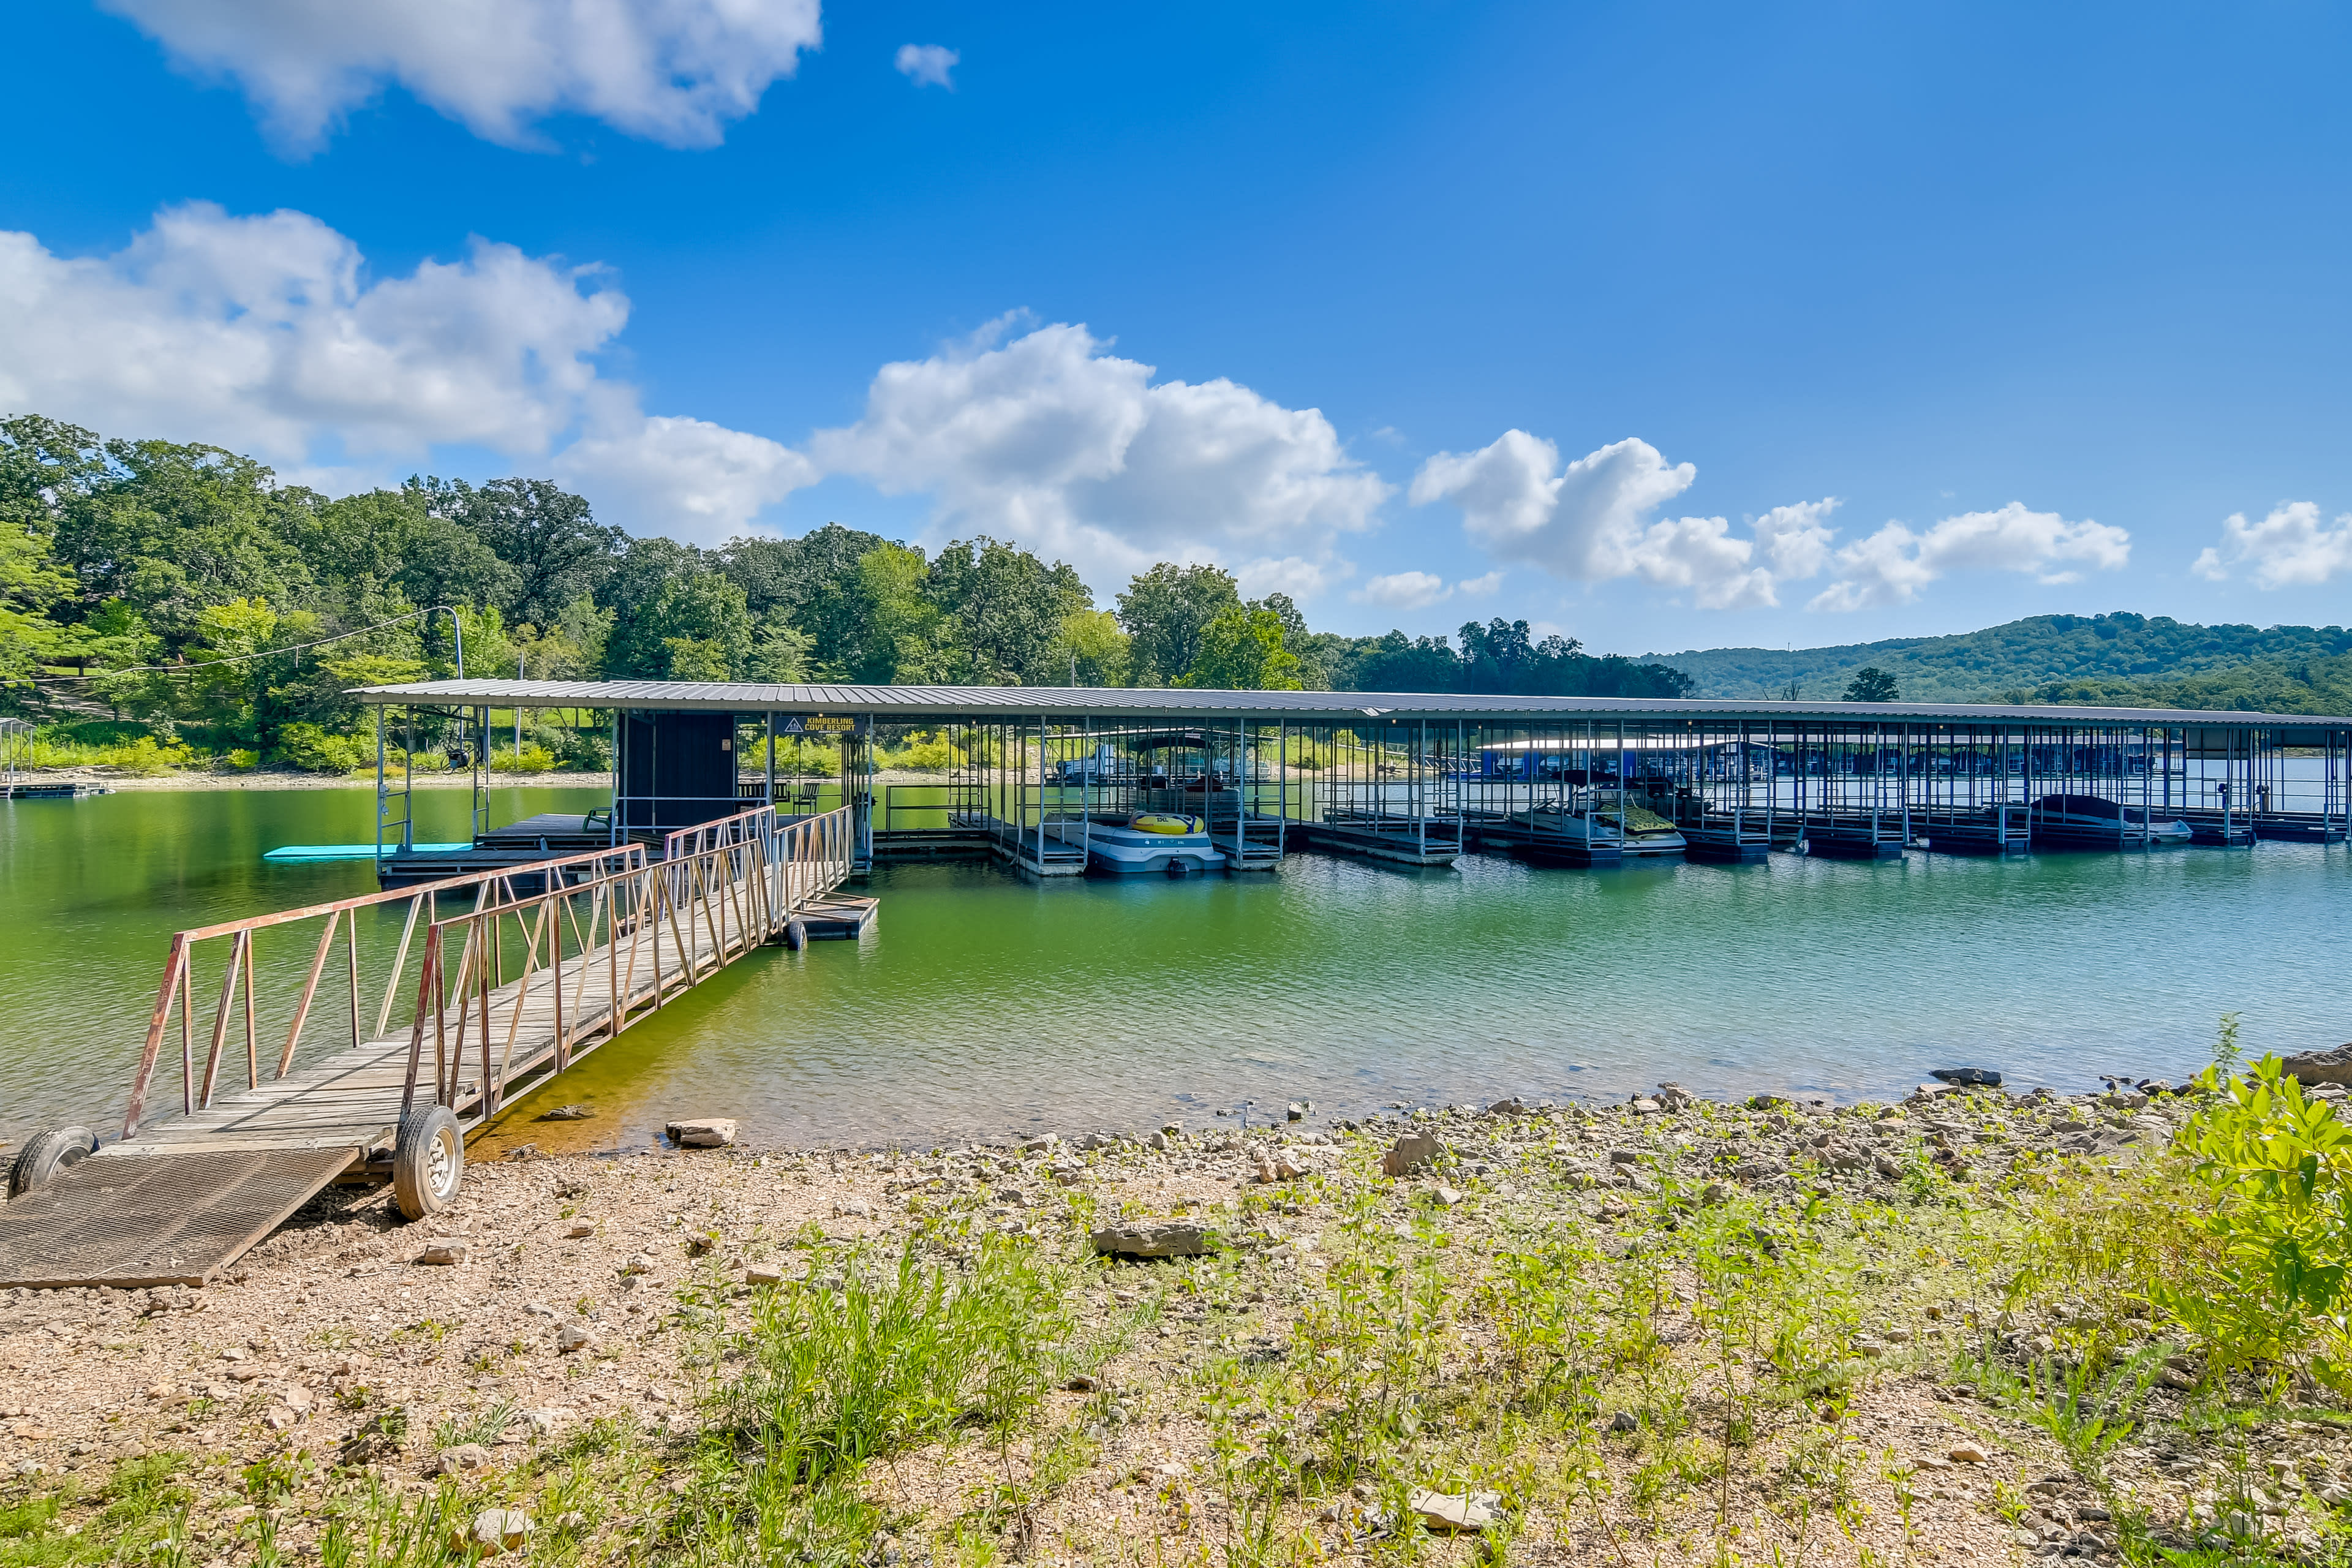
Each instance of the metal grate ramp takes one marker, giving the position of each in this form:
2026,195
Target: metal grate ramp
157,1218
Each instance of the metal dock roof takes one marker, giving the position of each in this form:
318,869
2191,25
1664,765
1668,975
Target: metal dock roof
914,704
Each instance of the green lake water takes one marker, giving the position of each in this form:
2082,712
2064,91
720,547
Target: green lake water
984,1006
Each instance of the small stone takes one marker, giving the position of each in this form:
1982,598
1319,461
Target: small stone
705,1132
1514,1106
1296,1111
1408,1153
1446,1196
581,1229
1968,1078
1930,1462
546,1419
1644,1106
457,1461
1151,1238
1449,1512
856,1208
1079,1382
638,1263
1624,1421
445,1250
762,1277
1885,1166
1968,1453
1158,1141
499,1529
572,1337
565,1113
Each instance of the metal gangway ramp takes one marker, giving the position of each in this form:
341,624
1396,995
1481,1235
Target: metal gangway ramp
537,967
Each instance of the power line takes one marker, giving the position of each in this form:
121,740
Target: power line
457,625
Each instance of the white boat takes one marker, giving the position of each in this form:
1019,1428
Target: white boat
1117,848
2095,822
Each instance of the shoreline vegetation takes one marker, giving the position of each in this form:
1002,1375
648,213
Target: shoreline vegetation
1971,1326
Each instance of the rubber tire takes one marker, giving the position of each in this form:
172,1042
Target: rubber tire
428,1162
48,1155
795,935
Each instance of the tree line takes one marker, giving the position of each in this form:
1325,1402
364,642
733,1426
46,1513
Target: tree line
177,586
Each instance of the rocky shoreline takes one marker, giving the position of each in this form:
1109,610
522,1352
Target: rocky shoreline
468,1357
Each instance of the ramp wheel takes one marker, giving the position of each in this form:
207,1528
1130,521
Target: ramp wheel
427,1162
795,935
46,1155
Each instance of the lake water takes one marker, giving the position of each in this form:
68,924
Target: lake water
982,1005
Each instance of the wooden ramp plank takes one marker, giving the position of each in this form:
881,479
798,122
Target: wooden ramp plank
158,1219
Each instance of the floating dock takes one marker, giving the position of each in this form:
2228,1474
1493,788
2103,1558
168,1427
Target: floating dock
510,977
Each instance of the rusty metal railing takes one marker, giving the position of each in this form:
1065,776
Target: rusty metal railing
589,954
236,1008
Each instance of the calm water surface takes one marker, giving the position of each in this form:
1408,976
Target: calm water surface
982,1005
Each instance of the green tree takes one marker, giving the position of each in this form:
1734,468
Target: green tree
1872,684
1001,612
880,622
32,583
1166,612
552,544
1091,648
1242,650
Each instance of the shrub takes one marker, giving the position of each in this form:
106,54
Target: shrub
313,750
2279,1167
533,758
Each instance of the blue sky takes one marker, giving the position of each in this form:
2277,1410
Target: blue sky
1666,327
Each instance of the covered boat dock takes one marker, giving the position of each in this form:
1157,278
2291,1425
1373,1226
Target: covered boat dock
1044,778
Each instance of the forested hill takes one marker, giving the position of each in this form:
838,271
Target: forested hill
2120,658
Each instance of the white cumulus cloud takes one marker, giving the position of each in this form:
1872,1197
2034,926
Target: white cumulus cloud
1892,566
1589,521
1418,590
2292,547
673,72
266,335
1404,590
1048,439
927,65
687,478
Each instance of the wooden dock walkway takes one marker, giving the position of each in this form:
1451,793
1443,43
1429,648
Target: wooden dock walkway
540,972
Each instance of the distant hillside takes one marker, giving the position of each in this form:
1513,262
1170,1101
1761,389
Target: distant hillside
2119,657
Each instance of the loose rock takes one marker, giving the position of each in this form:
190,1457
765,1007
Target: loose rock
708,1133
1408,1153
1449,1513
457,1460
499,1529
445,1251
565,1113
1151,1238
1968,1078
2320,1067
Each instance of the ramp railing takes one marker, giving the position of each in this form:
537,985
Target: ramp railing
523,987
237,1013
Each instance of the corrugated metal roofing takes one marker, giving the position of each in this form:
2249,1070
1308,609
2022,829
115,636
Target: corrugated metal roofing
916,704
